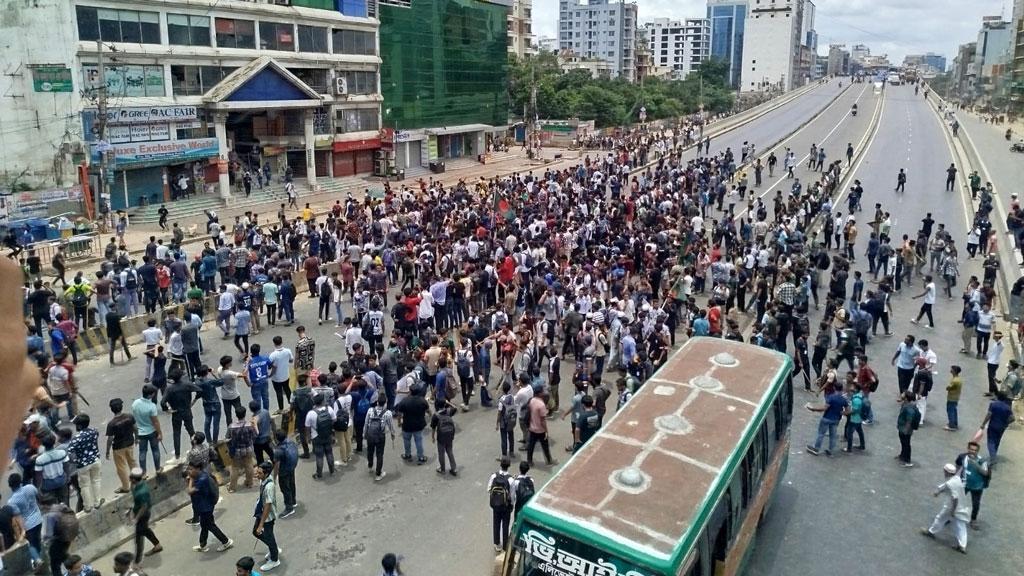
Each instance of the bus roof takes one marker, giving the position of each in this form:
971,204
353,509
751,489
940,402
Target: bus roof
640,485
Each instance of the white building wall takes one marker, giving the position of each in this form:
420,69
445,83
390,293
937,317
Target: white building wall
772,28
600,29
679,45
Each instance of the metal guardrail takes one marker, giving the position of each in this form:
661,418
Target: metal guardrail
78,246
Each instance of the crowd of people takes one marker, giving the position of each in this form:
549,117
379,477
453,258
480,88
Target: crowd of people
448,297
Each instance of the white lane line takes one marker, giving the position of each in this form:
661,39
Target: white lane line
867,148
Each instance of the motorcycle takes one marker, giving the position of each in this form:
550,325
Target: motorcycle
853,111
1017,147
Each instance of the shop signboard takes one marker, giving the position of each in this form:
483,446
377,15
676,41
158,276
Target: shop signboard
52,78
171,151
150,114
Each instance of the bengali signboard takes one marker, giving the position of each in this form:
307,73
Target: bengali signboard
52,78
149,114
546,556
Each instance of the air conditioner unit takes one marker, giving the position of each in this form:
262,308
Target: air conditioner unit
341,86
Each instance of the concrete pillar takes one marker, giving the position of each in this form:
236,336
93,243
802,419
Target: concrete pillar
221,130
310,154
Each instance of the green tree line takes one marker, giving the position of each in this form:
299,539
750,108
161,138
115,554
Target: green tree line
611,102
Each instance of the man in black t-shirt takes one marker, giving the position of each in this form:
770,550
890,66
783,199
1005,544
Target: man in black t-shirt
588,423
120,435
413,411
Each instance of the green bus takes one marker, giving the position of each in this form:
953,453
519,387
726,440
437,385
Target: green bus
677,482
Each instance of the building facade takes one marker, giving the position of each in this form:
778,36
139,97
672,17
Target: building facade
600,29
444,77
679,45
930,60
193,92
727,28
521,39
838,60
780,29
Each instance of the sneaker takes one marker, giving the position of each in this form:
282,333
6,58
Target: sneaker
380,476
913,320
339,463
406,456
439,470
828,453
949,428
192,522
287,512
908,464
812,450
960,549
498,549
453,472
421,460
266,557
270,565
927,532
201,548
226,546
846,449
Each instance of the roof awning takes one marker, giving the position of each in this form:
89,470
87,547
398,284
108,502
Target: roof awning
459,129
262,83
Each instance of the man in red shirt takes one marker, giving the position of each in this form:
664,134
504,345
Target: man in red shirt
538,410
311,265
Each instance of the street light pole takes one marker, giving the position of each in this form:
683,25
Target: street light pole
101,130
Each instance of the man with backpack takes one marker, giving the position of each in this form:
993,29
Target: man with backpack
523,487
319,424
301,405
343,427
79,295
286,459
856,414
501,498
204,493
507,415
442,433
464,368
378,422
909,419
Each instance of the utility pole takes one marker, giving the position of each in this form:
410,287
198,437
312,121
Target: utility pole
532,126
101,130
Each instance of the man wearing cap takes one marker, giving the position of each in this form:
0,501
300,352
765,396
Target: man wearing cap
956,510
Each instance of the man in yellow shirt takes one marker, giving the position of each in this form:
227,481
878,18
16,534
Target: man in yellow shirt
953,398
307,213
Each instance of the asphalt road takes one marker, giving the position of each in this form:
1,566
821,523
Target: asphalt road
347,522
861,513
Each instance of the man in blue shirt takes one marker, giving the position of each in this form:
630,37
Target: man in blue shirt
25,502
998,418
258,369
204,498
832,412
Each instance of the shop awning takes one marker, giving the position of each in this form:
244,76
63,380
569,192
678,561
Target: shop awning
459,129
261,84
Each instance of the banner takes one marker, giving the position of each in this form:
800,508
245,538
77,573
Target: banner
172,151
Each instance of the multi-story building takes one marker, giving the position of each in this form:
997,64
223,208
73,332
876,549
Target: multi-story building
547,44
965,72
679,45
929,60
859,52
727,20
444,77
1016,87
992,57
838,60
597,67
600,29
192,91
779,30
644,59
520,29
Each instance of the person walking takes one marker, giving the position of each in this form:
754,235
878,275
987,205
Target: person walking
120,434
378,422
264,425
500,496
240,448
24,500
60,531
955,509
203,492
178,400
908,420
523,487
266,515
537,413
992,360
281,360
905,361
141,512
442,433
859,407
84,450
975,472
997,420
286,459
115,334
929,300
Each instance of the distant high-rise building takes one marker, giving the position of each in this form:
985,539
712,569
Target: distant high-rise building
838,60
600,29
859,52
727,19
780,29
930,60
680,46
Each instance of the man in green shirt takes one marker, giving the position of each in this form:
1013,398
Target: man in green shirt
142,504
976,474
953,398
854,420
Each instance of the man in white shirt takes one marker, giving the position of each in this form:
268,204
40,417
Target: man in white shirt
995,350
151,336
281,360
929,300
956,510
225,306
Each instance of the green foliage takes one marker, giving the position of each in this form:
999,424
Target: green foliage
610,102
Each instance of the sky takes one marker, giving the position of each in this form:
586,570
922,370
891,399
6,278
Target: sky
893,27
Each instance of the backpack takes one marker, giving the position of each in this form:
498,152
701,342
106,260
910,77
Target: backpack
375,425
863,322
508,416
324,425
131,280
915,420
341,419
302,400
451,388
215,488
499,492
67,527
445,425
462,364
80,299
524,491
291,456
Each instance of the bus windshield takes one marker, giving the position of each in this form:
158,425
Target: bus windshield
540,552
